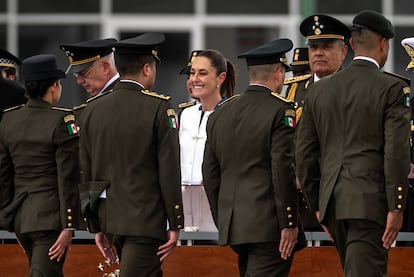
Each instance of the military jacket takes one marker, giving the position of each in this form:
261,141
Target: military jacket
129,146
248,167
39,172
357,124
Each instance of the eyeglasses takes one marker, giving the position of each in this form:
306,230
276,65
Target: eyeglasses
85,73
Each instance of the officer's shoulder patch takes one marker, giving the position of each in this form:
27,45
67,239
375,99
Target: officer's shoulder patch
401,77
79,107
13,108
69,117
228,100
61,109
277,95
296,79
93,98
154,94
186,104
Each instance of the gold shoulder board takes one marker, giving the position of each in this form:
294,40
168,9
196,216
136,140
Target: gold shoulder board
13,108
154,94
61,109
405,79
297,79
99,95
79,107
228,100
186,104
277,95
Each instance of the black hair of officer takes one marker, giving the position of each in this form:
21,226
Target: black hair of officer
269,53
133,53
321,28
81,55
40,72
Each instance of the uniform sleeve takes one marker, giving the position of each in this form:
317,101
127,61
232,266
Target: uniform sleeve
168,151
283,179
397,146
307,158
6,173
66,141
211,173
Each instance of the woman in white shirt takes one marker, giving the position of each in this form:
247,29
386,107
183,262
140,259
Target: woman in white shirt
211,81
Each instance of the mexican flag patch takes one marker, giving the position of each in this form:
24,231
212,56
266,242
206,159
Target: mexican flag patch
172,120
72,129
290,118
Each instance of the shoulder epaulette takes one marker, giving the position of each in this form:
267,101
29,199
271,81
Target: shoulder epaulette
277,95
154,94
186,104
13,108
61,109
297,79
228,100
99,95
405,79
79,107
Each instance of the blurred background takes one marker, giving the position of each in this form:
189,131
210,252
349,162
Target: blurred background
29,27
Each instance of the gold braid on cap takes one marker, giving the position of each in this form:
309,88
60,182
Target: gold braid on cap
88,60
410,52
326,36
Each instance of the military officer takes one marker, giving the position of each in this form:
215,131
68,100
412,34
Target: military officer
129,149
39,173
248,168
12,93
408,44
92,63
8,65
300,62
325,37
356,123
186,71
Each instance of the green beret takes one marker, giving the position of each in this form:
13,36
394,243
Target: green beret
373,21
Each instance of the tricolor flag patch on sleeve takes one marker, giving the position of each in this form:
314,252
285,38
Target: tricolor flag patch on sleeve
172,120
72,128
290,118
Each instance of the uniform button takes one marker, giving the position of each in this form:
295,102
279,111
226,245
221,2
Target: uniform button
180,226
69,224
399,206
87,229
178,216
177,207
69,217
290,224
69,210
288,209
290,216
399,188
84,219
400,196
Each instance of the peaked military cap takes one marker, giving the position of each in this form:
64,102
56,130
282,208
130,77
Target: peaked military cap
186,70
8,60
82,54
320,28
300,60
408,44
373,21
145,44
269,53
41,67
